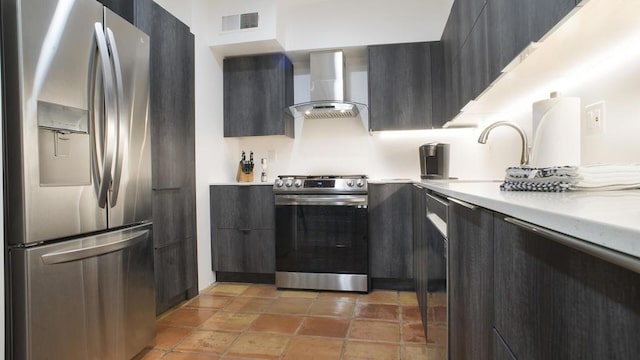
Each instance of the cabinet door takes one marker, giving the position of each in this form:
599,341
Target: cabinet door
400,87
172,118
470,282
419,250
554,302
245,251
257,89
501,351
516,23
242,207
390,231
474,62
171,275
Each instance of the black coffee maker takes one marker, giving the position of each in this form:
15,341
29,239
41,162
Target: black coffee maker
434,161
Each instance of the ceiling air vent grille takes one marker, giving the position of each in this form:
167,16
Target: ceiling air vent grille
240,21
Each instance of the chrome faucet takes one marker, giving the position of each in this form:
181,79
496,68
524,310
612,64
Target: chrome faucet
524,157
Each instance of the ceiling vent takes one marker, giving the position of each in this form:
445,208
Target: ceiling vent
240,22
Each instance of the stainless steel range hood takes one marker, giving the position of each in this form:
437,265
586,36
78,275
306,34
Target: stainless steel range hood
327,69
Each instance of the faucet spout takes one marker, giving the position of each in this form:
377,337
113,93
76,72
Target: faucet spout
524,157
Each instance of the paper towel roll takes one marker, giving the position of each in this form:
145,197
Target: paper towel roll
556,132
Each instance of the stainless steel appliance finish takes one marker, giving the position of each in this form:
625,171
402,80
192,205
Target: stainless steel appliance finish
78,175
320,184
84,299
321,232
56,126
434,161
327,90
336,282
437,255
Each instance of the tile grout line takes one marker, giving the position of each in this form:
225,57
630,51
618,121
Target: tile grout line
350,317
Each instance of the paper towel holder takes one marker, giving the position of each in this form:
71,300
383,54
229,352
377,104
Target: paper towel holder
524,156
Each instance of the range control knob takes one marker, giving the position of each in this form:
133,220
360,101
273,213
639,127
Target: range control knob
279,183
360,183
288,183
350,183
298,183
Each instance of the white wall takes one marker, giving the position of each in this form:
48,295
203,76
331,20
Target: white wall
318,24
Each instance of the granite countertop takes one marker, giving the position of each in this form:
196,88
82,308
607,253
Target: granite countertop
607,218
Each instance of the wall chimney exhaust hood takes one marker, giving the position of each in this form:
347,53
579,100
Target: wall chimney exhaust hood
327,69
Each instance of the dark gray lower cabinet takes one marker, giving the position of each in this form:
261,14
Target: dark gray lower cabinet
391,235
554,302
243,232
247,251
500,349
172,119
470,282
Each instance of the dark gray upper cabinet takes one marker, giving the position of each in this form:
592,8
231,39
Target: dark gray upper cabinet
555,302
470,282
242,229
390,231
402,79
516,23
474,62
481,37
172,121
124,8
257,89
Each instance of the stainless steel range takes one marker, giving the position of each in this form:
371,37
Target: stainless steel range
321,232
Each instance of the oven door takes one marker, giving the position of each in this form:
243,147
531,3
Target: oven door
321,241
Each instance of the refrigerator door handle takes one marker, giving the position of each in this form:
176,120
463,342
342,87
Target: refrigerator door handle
93,251
104,147
122,119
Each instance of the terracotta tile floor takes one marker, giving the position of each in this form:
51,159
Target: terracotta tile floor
248,321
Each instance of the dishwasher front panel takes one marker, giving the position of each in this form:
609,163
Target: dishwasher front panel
89,298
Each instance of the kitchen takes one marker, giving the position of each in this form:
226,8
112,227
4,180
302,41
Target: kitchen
384,155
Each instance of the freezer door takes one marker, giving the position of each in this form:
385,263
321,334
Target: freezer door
91,298
48,49
130,192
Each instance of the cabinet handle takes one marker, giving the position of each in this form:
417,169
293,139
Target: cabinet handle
462,203
245,230
612,256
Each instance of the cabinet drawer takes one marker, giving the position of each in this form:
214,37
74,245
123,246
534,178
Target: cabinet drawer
242,207
249,251
555,302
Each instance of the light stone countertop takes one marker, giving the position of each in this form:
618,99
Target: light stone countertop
268,183
607,218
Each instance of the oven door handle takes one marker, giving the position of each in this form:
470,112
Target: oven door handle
325,200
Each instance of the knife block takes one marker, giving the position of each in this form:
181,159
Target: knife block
241,176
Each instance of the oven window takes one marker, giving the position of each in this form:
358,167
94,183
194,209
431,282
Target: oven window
321,239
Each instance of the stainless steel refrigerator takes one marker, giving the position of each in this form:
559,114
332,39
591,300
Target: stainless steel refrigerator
78,181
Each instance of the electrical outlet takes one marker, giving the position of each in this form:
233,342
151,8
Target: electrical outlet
595,116
271,155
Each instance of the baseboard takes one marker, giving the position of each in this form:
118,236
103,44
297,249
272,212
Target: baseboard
392,284
253,278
